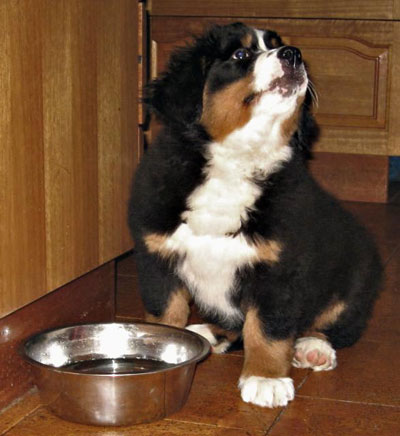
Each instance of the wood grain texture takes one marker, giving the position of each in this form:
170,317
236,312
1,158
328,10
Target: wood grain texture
143,61
88,299
350,61
361,9
68,133
69,90
394,112
22,215
117,120
396,9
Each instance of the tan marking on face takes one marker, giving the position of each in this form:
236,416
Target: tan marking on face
274,42
247,40
225,111
268,250
155,243
329,315
177,310
263,356
289,126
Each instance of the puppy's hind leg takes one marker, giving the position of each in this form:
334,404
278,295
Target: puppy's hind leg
314,350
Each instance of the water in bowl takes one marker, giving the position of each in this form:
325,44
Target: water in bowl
129,365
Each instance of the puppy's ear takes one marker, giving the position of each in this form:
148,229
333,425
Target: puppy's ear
176,95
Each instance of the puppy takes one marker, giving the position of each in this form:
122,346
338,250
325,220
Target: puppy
225,213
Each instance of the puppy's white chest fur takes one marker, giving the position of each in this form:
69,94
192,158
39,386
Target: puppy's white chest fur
210,256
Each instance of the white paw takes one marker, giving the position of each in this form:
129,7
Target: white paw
266,392
218,347
315,353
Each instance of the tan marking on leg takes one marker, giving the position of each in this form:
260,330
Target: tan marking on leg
177,310
155,243
231,336
329,315
268,250
324,319
264,357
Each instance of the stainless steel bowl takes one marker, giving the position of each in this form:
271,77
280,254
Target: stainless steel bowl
115,373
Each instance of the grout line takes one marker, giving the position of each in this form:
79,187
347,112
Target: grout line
306,377
207,424
364,403
281,413
18,400
391,256
24,416
276,420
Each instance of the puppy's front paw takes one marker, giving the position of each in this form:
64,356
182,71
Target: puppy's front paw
217,347
266,392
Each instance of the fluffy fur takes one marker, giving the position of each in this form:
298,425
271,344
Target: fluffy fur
223,209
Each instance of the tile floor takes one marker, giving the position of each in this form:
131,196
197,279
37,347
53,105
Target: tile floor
360,397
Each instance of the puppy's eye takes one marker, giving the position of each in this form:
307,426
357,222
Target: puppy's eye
241,54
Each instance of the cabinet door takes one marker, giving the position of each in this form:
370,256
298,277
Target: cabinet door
68,135
353,64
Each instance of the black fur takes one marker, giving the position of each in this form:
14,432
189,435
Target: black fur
327,255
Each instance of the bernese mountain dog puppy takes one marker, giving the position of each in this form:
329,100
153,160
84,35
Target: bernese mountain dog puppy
224,213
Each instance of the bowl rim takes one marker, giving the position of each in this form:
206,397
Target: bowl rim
206,348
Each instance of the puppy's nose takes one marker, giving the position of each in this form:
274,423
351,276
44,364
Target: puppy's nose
291,55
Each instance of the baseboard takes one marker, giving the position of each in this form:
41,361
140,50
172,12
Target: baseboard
352,177
91,298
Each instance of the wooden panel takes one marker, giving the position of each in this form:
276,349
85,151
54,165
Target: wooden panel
394,127
142,58
364,9
70,123
352,177
352,77
396,9
68,133
117,121
86,203
88,299
350,62
22,220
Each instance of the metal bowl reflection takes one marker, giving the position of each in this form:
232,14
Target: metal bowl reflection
115,373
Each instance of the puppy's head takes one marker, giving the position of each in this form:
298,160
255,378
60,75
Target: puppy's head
229,77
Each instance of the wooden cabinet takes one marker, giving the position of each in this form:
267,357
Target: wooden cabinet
352,50
342,9
68,140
